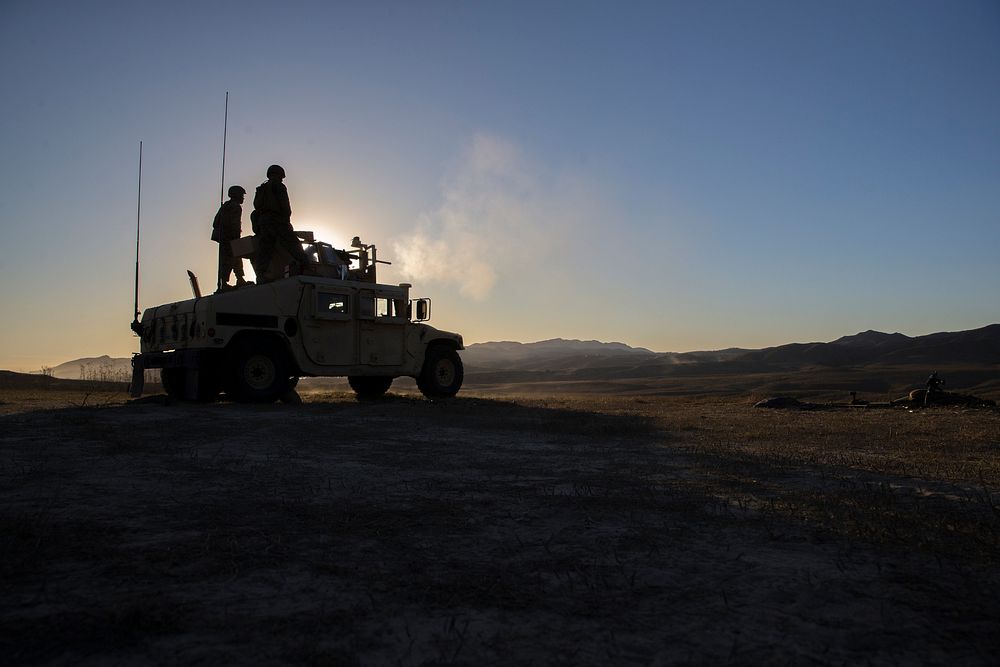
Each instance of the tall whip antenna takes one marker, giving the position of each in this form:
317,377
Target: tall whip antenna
138,212
225,129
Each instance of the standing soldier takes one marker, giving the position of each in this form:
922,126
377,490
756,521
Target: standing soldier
272,223
228,227
935,386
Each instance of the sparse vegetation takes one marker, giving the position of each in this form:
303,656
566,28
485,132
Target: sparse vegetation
103,371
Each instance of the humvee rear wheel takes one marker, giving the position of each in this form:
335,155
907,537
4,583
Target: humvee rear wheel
209,385
174,381
367,386
257,372
442,374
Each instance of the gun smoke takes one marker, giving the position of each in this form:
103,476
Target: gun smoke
500,214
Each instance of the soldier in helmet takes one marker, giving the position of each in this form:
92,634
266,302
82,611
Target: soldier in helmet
273,225
935,387
227,227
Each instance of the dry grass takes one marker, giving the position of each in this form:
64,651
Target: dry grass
13,401
529,529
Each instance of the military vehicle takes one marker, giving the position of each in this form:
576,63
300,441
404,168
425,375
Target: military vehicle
327,318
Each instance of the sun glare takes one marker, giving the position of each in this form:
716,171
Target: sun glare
323,231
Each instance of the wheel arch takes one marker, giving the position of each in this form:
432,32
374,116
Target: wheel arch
249,337
450,343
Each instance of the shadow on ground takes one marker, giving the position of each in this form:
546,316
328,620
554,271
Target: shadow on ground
471,531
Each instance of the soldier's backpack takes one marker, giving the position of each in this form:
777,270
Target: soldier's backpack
217,227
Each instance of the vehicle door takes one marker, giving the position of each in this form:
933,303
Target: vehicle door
330,330
382,325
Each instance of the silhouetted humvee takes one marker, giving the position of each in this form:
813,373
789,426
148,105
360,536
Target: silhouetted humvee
332,319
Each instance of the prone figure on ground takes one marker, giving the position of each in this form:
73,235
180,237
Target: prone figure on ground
227,227
272,224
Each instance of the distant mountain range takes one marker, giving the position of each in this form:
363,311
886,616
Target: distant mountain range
587,357
870,362
868,347
578,364
977,346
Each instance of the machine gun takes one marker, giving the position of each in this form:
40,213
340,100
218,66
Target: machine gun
325,260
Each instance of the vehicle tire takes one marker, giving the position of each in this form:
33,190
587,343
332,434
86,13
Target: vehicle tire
173,382
209,384
442,374
368,387
257,371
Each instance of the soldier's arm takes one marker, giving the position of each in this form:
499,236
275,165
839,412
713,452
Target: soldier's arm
283,204
218,223
234,225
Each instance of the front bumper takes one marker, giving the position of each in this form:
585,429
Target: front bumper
143,361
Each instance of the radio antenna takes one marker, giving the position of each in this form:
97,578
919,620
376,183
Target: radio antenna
138,213
225,128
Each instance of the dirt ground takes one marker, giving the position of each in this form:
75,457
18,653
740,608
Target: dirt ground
541,530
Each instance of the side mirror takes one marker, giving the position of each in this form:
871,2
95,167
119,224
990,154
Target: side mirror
423,310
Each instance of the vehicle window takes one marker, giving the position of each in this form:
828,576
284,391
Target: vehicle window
332,303
389,307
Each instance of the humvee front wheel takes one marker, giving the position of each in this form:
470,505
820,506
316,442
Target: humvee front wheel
442,374
257,372
368,386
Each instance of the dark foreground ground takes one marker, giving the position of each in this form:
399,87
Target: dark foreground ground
549,530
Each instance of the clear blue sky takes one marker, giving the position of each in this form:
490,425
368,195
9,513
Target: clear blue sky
675,175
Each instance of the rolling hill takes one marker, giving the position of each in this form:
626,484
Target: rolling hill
870,361
977,346
116,369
